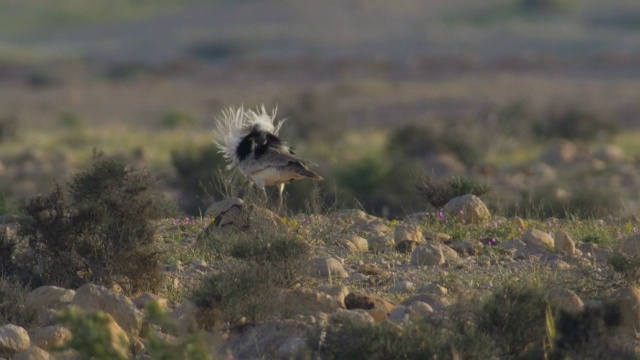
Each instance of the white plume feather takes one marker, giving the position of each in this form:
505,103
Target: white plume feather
233,124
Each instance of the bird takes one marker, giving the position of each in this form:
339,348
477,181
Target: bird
248,140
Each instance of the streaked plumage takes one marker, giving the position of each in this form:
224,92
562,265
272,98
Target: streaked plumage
249,140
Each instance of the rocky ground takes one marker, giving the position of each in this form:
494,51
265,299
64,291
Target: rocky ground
361,269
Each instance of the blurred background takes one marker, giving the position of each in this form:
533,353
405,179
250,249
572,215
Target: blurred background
538,98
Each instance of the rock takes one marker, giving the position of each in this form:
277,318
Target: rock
377,307
437,237
50,337
50,297
559,265
358,277
566,300
463,247
398,315
537,237
219,207
419,308
469,208
374,270
406,247
374,228
561,152
563,242
403,287
408,233
519,222
353,243
311,301
33,353
351,215
143,300
448,252
328,268
630,246
355,316
13,339
293,348
92,297
610,153
246,218
435,302
337,292
429,254
628,302
434,289
381,244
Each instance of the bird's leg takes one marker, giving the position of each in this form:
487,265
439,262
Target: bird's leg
280,200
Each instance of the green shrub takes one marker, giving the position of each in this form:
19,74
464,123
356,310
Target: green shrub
7,249
585,335
515,317
574,124
585,202
627,266
8,128
13,308
245,290
438,192
91,335
457,137
198,177
186,346
416,340
103,233
175,119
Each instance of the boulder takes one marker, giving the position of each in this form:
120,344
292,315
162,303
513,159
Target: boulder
469,208
93,298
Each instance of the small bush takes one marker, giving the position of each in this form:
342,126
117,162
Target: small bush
197,174
585,335
186,346
104,233
175,119
8,128
246,290
7,250
415,140
13,308
70,121
416,340
285,255
515,317
574,124
91,335
438,192
628,266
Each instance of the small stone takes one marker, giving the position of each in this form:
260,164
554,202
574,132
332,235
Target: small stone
337,292
50,297
419,308
13,339
566,300
381,244
628,302
355,316
398,315
358,277
403,287
353,243
564,243
408,233
328,267
437,236
219,207
50,337
434,289
33,353
537,237
377,307
469,208
429,254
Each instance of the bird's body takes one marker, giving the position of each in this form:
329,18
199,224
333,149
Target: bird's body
249,141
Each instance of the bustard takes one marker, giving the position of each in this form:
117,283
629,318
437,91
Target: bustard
249,141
